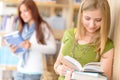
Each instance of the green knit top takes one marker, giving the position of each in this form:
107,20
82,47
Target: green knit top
84,53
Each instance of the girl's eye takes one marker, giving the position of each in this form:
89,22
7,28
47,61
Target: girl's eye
25,10
87,18
98,20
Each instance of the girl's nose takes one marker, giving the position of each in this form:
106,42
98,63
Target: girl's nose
91,24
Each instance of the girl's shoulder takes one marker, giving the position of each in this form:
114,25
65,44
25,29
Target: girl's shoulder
109,45
109,42
44,25
47,31
45,28
68,34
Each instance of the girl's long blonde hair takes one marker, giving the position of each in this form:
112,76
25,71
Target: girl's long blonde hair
88,5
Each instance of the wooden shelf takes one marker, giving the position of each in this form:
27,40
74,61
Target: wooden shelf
76,6
47,4
67,6
11,1
8,67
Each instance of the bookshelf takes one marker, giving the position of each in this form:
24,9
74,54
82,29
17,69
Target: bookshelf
67,7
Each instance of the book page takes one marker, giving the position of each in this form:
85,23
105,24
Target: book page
71,62
90,67
93,67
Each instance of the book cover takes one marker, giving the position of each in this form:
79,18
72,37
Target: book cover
87,76
14,38
90,67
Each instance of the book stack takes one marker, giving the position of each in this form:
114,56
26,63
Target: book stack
87,76
8,23
90,71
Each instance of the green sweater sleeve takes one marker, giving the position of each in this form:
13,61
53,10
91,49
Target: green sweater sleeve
109,45
68,35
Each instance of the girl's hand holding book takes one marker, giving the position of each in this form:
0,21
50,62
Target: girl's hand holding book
68,75
25,44
4,42
62,70
13,48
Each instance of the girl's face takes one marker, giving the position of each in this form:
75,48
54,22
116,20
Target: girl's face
92,20
25,14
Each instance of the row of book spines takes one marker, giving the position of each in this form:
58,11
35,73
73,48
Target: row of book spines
8,23
55,1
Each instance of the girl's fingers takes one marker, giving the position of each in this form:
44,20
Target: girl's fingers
13,48
26,44
68,75
62,69
68,68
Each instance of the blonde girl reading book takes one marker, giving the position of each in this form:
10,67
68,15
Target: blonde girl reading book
89,42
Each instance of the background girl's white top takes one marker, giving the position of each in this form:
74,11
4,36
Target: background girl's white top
34,64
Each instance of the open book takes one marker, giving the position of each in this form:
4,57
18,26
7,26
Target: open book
14,38
90,67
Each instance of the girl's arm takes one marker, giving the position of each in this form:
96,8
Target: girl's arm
50,44
107,63
59,68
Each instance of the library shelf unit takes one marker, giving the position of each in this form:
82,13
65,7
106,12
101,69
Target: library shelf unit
67,6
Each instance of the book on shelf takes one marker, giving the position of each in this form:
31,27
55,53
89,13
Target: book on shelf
14,38
45,0
87,76
7,59
89,67
77,1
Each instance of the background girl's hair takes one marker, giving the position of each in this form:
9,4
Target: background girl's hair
30,4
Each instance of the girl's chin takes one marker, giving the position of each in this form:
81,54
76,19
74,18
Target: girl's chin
91,31
25,21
